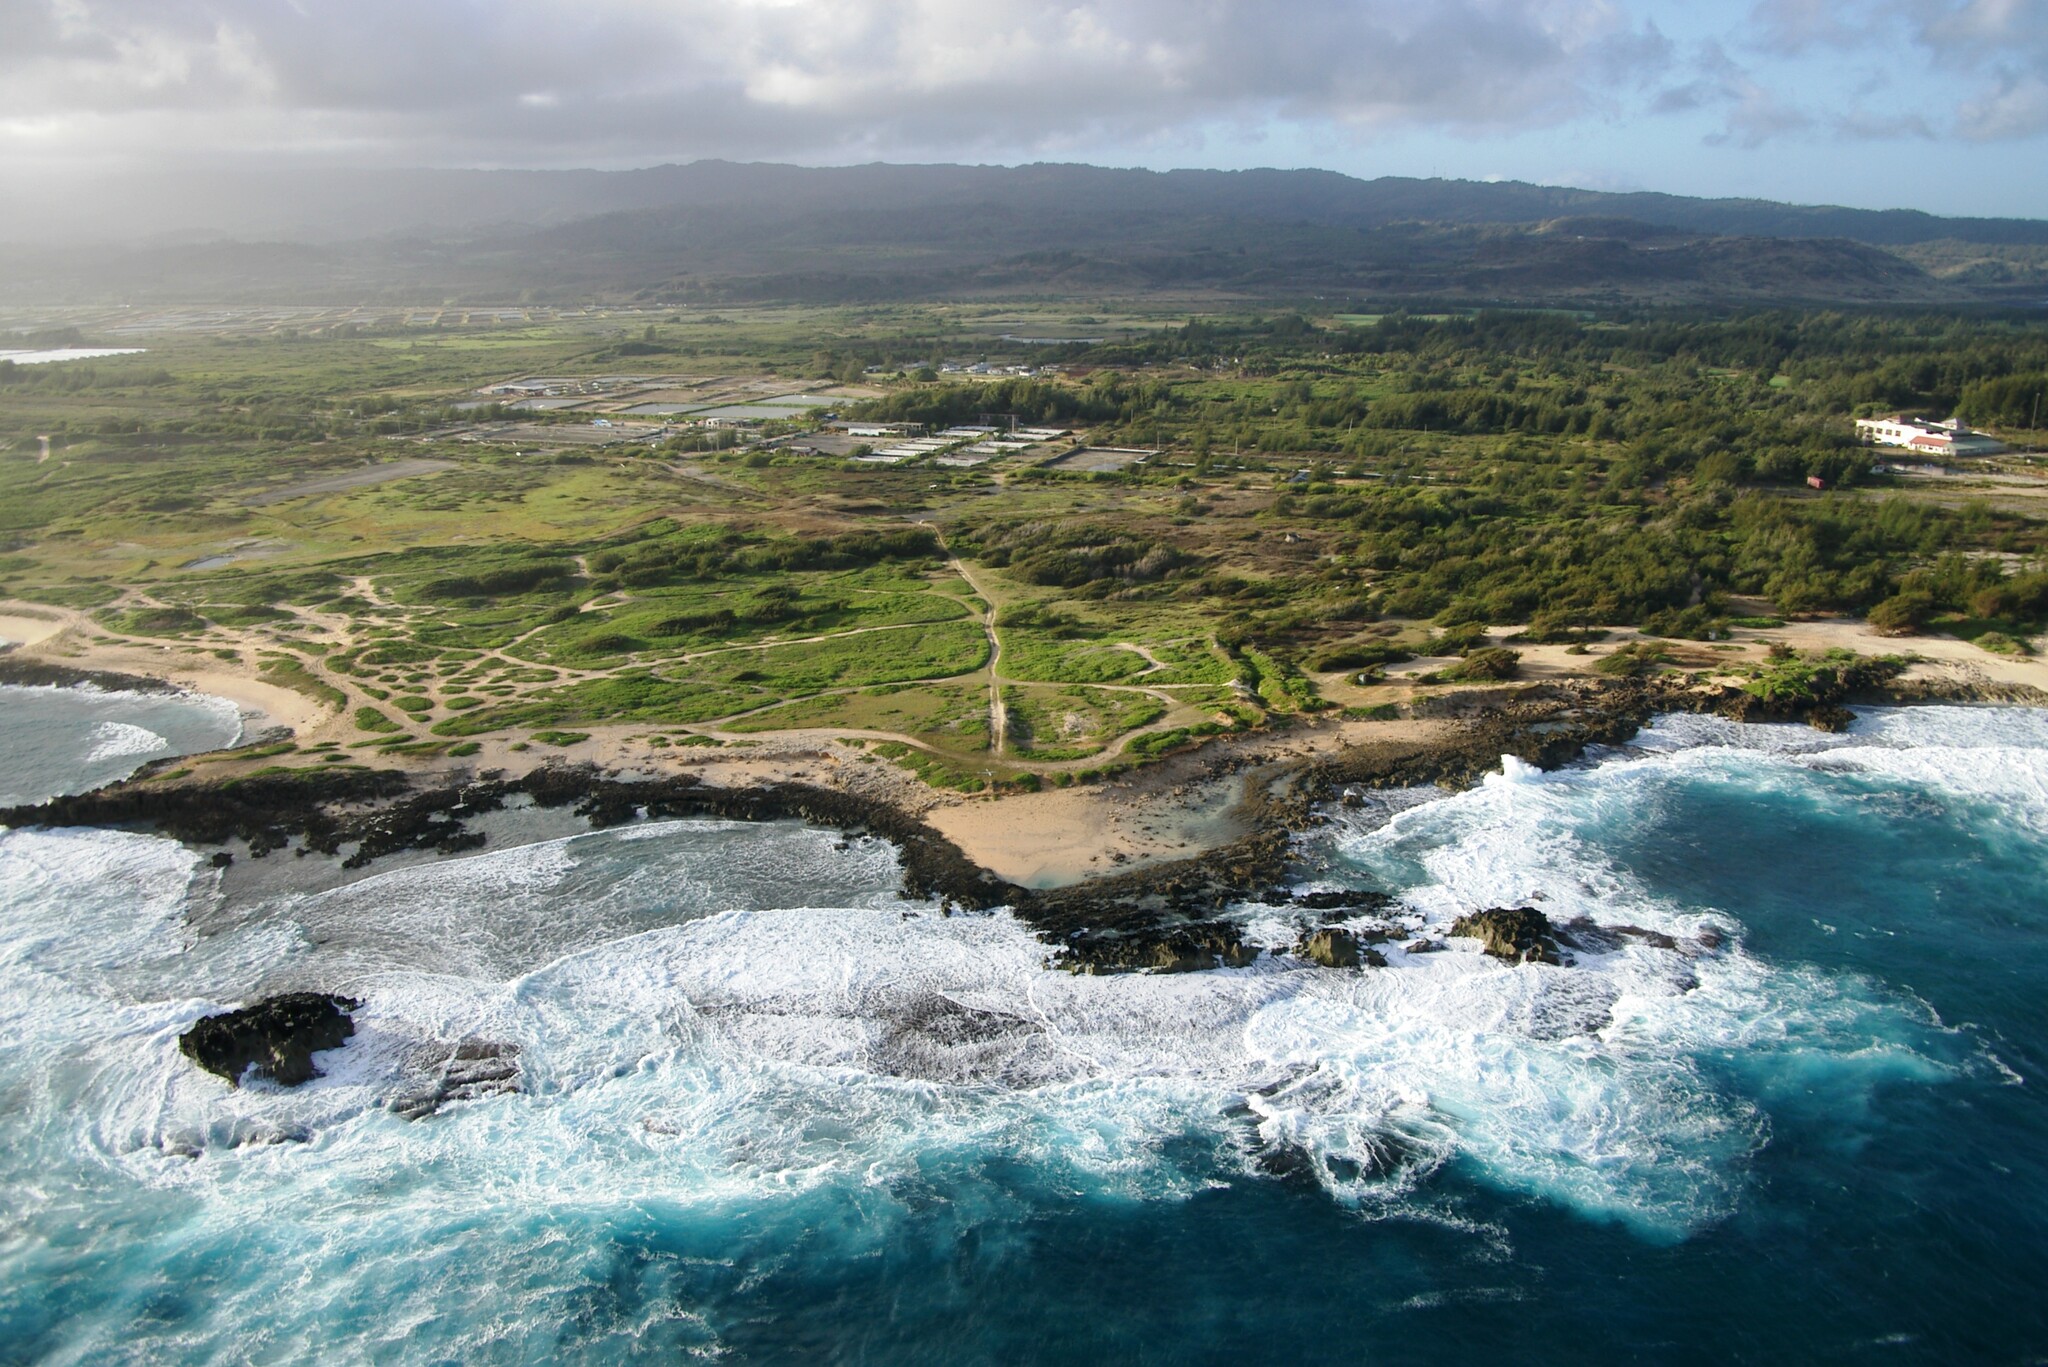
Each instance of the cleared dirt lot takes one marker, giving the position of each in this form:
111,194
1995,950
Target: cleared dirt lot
353,479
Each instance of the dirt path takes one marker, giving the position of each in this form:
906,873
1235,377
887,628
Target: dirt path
998,715
365,588
700,476
1153,662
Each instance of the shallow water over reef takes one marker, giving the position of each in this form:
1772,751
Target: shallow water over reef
771,1111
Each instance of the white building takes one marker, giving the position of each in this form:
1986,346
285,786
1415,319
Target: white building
1951,438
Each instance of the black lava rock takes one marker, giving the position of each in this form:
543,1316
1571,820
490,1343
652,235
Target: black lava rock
278,1037
1192,948
1332,948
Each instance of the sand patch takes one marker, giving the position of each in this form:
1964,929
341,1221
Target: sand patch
20,629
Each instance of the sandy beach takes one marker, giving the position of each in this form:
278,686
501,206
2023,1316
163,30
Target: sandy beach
1175,809
20,627
58,636
1168,810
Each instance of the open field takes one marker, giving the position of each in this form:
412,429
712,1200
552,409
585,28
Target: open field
1347,516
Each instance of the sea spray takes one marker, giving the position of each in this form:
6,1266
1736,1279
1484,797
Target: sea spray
767,1104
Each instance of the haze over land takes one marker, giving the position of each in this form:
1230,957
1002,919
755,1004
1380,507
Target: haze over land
859,150
722,231
1940,105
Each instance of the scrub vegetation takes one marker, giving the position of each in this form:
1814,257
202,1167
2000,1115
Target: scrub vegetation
1341,512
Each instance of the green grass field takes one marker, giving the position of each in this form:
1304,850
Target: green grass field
1319,481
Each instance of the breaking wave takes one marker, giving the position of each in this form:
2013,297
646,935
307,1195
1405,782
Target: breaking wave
119,740
712,1018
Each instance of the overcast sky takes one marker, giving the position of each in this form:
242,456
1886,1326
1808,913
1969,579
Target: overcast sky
1934,104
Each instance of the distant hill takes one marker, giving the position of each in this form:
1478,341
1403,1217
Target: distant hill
316,206
724,230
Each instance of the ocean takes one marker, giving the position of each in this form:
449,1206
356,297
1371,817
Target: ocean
69,740
774,1112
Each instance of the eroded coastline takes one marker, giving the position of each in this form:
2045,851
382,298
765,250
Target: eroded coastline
1167,916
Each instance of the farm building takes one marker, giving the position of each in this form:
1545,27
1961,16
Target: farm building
1951,438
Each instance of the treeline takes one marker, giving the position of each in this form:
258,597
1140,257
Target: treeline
1838,362
677,557
1749,399
1071,554
1474,554
1110,398
2009,401
78,377
1972,586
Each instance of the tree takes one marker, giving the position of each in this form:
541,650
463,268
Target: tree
1902,614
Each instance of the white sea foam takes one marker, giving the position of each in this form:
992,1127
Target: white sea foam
675,1052
1992,754
1954,728
65,740
772,1050
1943,727
1685,731
119,740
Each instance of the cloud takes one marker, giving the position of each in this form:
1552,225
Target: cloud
1974,69
2002,45
616,81
1798,26
1751,112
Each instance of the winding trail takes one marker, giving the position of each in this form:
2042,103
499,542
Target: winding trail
998,715
1153,663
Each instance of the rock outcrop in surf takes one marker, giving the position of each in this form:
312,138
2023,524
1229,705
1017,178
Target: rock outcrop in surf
1335,947
1191,948
1518,934
277,1037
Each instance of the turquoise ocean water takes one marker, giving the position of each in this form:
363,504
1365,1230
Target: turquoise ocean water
774,1113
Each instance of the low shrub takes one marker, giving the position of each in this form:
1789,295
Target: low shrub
1493,664
1633,661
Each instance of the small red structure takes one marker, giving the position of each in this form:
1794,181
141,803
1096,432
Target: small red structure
1816,482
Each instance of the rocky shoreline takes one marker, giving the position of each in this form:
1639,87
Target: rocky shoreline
26,673
1167,917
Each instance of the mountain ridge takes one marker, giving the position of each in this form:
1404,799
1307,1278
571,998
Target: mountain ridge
711,231
303,205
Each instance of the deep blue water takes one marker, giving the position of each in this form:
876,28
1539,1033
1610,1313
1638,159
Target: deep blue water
774,1114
